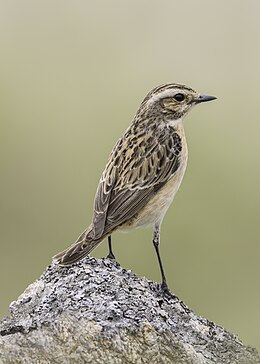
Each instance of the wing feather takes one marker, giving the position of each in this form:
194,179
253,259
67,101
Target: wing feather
138,167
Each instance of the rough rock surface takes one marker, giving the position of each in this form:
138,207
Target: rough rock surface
97,312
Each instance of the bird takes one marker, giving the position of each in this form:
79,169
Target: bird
143,173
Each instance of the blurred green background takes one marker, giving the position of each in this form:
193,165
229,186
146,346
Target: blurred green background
73,74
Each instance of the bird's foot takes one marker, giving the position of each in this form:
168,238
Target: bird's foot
111,256
165,289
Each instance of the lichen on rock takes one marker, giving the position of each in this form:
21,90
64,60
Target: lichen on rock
97,312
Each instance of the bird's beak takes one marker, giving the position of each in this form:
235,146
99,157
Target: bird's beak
204,98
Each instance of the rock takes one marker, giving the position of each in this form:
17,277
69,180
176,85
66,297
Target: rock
97,312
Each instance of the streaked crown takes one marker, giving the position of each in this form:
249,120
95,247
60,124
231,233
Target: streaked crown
173,99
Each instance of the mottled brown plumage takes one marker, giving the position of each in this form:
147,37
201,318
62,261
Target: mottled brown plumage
143,172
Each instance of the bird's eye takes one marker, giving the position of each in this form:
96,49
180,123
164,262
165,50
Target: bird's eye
179,97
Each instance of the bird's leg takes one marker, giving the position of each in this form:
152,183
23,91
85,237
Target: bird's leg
110,252
156,242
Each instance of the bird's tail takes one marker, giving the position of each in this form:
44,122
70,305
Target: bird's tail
82,247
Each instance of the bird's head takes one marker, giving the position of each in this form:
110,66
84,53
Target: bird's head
172,100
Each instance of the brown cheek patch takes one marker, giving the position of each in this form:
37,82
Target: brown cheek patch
169,104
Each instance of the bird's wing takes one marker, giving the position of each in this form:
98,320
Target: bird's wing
139,165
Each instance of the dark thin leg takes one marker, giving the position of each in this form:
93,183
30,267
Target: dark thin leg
110,253
156,242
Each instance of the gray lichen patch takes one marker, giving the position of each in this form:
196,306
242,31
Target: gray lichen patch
127,314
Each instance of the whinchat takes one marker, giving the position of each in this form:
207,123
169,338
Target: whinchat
143,173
